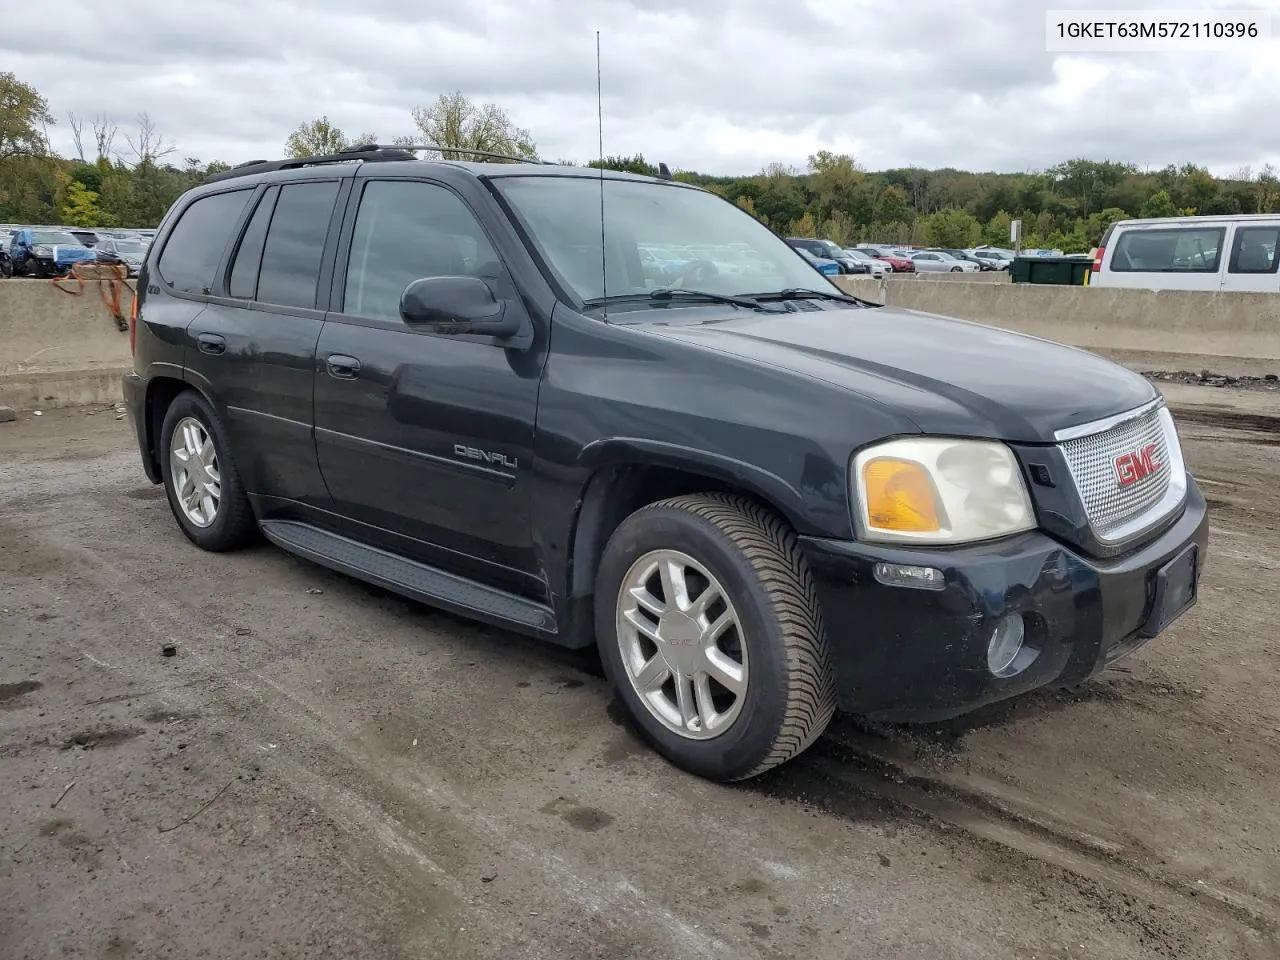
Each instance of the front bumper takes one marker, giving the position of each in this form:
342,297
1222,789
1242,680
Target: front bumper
915,655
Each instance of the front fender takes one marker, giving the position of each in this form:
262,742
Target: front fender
747,477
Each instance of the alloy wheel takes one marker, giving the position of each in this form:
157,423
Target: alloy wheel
193,461
681,644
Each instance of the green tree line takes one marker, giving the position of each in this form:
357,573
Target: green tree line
130,177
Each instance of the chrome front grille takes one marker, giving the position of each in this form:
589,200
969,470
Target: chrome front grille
1104,454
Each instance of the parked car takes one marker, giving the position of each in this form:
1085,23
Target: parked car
1228,253
826,250
760,498
982,265
928,261
1000,259
828,268
127,252
877,268
899,262
46,253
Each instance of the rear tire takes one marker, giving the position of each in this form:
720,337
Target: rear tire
757,693
200,477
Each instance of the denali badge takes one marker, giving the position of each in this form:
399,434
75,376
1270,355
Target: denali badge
1137,465
485,456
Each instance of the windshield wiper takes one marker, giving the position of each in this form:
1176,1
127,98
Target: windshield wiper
804,293
669,293
672,293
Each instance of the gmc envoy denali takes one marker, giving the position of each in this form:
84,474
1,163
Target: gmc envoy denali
761,498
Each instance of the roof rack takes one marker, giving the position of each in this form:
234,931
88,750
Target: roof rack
362,153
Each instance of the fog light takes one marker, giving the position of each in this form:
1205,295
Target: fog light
909,575
1006,644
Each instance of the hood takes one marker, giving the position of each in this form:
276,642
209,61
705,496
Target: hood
945,376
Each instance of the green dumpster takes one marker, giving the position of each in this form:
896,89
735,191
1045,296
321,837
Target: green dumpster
1064,271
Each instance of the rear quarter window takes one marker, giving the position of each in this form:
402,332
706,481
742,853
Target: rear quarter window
1171,250
195,247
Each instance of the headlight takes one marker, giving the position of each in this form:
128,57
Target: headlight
932,490
42,250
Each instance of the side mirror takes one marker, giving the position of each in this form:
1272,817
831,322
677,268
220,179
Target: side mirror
457,305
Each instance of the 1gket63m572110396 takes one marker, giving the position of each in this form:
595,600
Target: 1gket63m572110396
761,498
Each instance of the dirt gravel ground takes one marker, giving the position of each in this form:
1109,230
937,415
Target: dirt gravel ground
324,770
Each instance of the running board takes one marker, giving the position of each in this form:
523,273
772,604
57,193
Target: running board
417,581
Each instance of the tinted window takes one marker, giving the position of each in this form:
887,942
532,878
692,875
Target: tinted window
406,231
244,270
1175,250
195,246
1254,250
295,241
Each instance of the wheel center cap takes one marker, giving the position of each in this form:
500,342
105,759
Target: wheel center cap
681,637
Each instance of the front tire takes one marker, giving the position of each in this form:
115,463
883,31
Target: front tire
708,626
200,478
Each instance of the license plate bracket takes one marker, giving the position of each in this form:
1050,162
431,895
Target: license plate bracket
1176,590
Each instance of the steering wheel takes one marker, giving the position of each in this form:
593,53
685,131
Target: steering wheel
697,272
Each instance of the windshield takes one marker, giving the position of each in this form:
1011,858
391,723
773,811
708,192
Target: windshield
129,246
55,236
700,241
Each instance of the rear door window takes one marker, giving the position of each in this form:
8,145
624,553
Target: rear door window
295,243
194,248
1254,250
1172,250
248,258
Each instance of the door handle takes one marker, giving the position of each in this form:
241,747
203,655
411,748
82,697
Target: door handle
211,344
342,368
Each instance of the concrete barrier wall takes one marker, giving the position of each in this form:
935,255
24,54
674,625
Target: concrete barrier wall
1234,333
57,349
986,276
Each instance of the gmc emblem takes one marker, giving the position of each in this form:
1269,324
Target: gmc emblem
1137,465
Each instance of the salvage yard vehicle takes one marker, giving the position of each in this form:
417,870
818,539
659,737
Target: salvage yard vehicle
1227,253
46,253
762,499
935,261
127,252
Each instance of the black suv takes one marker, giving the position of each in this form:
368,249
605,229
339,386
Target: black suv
763,499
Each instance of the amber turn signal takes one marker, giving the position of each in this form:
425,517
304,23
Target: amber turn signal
900,496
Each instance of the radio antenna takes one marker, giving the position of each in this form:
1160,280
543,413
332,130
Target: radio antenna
604,267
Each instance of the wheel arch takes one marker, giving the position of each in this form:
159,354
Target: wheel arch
161,391
629,474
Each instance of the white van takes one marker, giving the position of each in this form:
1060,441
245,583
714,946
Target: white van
1233,253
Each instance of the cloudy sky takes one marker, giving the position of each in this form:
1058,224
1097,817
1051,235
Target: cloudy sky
719,87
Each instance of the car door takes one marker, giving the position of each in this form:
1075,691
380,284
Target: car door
425,439
254,345
1253,261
